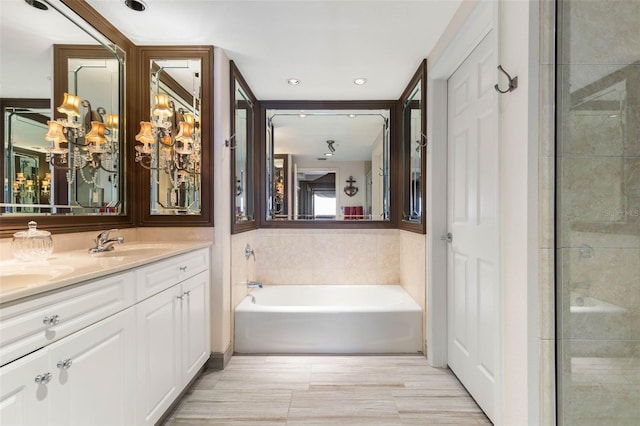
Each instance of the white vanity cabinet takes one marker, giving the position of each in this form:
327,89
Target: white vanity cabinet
173,333
81,379
111,351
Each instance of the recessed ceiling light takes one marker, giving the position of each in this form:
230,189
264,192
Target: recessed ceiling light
37,4
302,115
360,81
328,154
137,5
293,81
352,116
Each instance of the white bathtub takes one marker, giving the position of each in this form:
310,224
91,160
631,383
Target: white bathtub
328,319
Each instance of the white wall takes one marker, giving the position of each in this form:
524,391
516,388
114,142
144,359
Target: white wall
221,265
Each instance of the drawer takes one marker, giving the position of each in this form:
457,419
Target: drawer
30,325
159,276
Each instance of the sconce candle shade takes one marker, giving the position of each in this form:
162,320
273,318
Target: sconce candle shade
146,134
162,108
190,118
55,134
185,132
96,135
111,121
70,106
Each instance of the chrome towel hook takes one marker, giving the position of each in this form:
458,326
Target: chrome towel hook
513,82
228,144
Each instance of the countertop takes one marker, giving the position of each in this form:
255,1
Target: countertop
20,280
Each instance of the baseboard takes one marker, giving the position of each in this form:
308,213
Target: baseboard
219,360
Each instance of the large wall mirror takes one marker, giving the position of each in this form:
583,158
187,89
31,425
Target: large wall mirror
173,144
242,142
328,164
62,105
414,142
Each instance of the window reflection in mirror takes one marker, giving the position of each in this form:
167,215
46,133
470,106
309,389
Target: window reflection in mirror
413,153
320,150
77,169
170,145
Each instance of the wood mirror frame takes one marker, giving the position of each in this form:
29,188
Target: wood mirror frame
63,223
261,190
406,145
142,199
252,183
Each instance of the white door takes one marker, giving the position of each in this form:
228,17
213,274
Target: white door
24,390
158,361
473,279
93,374
195,318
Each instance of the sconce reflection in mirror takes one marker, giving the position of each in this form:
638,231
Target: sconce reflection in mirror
170,144
88,146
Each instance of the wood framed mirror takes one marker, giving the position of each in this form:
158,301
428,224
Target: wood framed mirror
63,206
244,107
330,162
173,156
413,129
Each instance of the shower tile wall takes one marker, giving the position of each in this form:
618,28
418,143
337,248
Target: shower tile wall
598,213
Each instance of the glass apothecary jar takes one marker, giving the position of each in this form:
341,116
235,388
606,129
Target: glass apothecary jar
32,245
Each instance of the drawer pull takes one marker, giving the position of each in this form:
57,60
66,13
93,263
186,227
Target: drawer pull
43,379
52,320
183,268
65,364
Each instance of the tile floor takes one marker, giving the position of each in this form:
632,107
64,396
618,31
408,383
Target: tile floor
327,390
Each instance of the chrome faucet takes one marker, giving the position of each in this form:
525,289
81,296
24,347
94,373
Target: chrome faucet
254,284
104,243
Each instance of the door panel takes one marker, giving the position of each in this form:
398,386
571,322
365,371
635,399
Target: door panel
473,254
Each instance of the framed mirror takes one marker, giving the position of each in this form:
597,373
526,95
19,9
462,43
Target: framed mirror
172,147
242,142
414,141
79,182
327,164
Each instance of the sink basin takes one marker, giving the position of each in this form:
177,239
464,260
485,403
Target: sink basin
17,276
135,250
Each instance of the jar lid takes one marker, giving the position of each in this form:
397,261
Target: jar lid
32,232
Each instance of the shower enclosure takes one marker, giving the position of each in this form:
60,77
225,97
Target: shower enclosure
598,212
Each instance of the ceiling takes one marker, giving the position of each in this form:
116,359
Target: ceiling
325,44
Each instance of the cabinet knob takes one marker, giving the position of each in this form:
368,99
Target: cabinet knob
64,364
43,379
180,296
183,268
186,293
52,320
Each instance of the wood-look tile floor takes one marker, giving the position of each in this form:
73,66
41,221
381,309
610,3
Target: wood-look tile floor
327,390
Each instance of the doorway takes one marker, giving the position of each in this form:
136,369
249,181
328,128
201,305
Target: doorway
464,288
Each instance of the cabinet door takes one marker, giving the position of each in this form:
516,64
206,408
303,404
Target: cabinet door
158,353
95,369
22,400
195,324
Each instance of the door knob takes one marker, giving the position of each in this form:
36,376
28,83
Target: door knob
448,237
